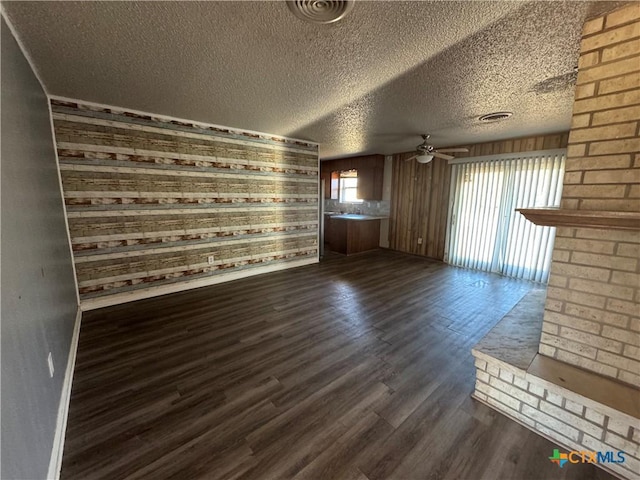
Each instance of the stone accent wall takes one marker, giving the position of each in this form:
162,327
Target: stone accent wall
153,202
592,315
573,421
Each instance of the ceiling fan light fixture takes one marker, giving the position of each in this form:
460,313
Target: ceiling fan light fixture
320,11
424,158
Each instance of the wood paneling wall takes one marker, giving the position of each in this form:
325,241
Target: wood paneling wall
420,193
150,200
514,145
419,198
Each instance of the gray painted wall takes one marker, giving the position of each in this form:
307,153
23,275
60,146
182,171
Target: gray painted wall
38,291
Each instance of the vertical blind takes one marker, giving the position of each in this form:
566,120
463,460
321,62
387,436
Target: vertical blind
485,232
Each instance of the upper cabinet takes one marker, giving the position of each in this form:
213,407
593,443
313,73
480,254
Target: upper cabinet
370,174
370,170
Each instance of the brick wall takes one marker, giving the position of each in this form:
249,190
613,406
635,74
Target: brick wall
592,314
573,421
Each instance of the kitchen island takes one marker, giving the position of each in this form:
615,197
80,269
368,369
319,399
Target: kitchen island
352,233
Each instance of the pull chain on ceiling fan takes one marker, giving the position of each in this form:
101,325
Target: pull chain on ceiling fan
425,152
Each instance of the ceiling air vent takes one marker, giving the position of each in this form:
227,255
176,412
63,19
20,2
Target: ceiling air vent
495,116
320,11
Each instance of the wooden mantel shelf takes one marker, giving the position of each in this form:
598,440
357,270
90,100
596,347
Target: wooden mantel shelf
564,217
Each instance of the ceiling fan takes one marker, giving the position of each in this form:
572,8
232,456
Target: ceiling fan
425,151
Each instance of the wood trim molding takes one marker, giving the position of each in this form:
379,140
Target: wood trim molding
55,461
564,217
509,156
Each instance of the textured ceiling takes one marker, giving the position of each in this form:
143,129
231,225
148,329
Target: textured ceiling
370,83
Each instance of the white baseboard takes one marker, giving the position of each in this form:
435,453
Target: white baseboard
119,298
55,463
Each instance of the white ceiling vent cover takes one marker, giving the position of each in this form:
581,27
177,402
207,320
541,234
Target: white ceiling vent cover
320,11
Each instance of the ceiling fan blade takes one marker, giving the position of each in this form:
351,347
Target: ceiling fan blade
461,149
411,158
442,155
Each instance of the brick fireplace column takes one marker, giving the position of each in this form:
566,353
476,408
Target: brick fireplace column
580,389
592,311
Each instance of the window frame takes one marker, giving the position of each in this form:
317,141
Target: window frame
345,177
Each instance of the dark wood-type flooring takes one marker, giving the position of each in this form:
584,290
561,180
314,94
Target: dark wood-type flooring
355,368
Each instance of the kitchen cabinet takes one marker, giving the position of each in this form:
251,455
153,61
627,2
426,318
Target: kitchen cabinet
370,172
325,177
370,178
328,230
351,234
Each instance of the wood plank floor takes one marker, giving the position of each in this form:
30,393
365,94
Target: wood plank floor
355,368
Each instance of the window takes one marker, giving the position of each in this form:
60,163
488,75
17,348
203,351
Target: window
349,187
485,232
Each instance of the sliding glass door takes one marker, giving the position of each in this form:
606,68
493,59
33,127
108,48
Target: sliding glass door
485,232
